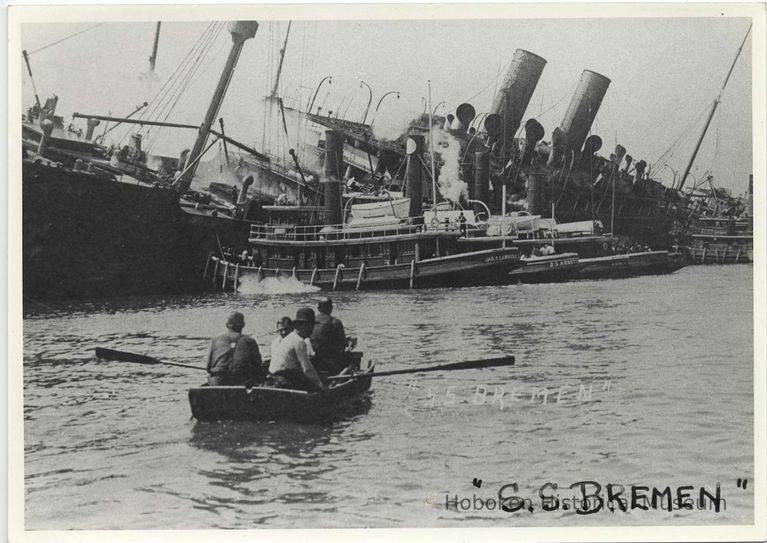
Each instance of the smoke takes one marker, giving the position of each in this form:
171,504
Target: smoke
249,284
392,119
389,128
449,149
217,170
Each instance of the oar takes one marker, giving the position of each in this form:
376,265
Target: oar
466,365
111,354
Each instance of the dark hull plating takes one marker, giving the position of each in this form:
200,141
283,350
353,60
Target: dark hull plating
86,237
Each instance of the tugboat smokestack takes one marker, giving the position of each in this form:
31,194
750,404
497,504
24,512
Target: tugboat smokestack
45,136
414,174
244,192
583,108
334,165
482,176
92,124
518,86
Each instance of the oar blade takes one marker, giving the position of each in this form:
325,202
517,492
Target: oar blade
121,356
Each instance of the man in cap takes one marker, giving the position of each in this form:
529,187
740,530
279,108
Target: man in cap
233,358
328,339
290,364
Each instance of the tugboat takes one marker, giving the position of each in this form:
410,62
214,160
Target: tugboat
370,252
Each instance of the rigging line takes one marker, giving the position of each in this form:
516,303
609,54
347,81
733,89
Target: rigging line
494,80
184,79
183,84
171,81
30,53
195,72
160,100
561,98
149,112
685,132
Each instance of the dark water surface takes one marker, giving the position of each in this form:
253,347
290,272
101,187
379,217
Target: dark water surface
669,361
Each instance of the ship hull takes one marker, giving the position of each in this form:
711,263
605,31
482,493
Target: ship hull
87,237
488,267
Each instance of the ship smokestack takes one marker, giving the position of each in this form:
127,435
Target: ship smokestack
535,182
448,121
414,174
639,171
45,136
465,113
534,132
558,145
482,176
629,160
244,192
592,145
334,165
92,124
583,108
512,100
182,158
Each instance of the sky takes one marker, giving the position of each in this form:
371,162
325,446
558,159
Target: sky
664,72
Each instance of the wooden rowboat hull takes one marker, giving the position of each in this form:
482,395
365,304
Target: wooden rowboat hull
629,265
547,269
216,403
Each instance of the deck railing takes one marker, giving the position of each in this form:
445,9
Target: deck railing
331,232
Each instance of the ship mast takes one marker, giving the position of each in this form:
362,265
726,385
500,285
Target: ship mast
282,58
711,113
240,31
153,58
431,153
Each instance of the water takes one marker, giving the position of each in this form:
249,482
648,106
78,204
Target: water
111,445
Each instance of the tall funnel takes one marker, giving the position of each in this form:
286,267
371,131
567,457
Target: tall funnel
583,108
517,89
414,174
334,165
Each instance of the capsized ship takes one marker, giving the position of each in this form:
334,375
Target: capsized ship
91,229
505,161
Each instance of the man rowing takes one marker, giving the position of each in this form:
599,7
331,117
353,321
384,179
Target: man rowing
290,364
233,358
328,339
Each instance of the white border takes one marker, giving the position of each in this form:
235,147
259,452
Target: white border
18,15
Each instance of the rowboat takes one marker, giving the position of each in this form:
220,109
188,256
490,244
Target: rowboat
549,268
629,265
266,403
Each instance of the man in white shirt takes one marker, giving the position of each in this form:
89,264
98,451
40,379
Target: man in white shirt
290,364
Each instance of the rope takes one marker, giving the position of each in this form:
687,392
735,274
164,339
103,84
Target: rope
30,53
193,75
148,112
664,158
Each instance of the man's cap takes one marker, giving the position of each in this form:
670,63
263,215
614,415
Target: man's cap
235,319
305,314
324,302
284,322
